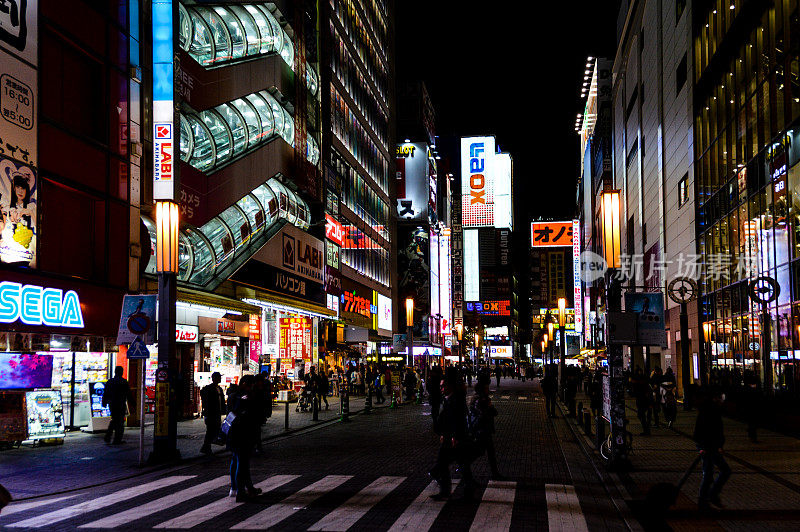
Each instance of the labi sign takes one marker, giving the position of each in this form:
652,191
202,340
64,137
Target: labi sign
295,251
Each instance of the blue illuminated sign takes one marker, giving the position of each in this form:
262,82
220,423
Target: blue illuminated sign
34,305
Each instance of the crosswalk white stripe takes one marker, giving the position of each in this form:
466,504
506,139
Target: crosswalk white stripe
210,511
291,504
421,513
358,505
505,397
523,398
494,512
22,506
563,509
95,504
157,505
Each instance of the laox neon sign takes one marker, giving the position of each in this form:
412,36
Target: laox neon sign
34,305
477,181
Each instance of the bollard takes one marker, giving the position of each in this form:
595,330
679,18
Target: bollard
579,412
315,408
345,405
393,404
286,418
587,422
368,401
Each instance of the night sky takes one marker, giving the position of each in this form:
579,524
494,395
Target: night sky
513,69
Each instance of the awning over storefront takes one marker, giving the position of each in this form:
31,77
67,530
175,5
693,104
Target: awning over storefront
209,299
260,298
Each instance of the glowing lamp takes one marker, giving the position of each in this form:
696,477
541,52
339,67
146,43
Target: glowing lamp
562,311
609,211
167,222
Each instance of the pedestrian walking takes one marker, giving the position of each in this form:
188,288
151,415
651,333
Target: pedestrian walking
380,378
668,399
469,375
410,384
117,396
241,440
655,404
481,424
641,390
451,426
262,397
549,389
434,386
709,437
323,386
213,408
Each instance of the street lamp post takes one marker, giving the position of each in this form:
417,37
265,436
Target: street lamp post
610,215
562,326
165,431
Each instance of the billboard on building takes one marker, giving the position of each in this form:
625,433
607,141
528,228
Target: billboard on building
577,296
413,191
472,285
19,101
503,211
445,282
384,313
164,137
414,279
551,234
477,181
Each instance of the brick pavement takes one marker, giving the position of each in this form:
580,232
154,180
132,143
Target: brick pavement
85,459
762,494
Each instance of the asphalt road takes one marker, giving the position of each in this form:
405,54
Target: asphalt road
367,474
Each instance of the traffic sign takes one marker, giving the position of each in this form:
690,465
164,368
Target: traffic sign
137,319
138,349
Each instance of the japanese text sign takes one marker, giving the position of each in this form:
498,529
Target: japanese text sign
551,234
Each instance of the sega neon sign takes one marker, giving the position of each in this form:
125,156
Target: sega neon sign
35,305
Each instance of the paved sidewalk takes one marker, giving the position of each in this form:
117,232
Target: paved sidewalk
762,494
85,459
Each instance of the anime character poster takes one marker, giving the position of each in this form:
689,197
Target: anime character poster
18,213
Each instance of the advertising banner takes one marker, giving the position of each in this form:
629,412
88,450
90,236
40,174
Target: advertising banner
445,282
254,335
295,251
500,351
413,191
488,308
414,279
503,212
577,296
384,314
96,390
45,414
477,181
295,338
649,307
19,118
164,136
25,370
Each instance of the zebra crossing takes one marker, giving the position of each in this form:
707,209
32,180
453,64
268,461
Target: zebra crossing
333,503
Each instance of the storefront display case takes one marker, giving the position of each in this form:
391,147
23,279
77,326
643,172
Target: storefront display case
90,367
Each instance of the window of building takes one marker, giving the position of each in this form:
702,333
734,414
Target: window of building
632,153
683,190
680,75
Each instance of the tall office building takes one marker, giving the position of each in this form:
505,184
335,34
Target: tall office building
652,160
358,148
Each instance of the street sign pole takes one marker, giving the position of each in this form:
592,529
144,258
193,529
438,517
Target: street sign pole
619,453
766,348
685,355
143,370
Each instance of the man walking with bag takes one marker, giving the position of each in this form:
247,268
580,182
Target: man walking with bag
117,396
213,409
709,436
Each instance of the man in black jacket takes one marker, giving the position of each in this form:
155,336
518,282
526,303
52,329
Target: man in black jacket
451,426
708,434
116,395
213,409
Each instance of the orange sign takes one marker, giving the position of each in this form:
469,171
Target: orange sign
551,234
